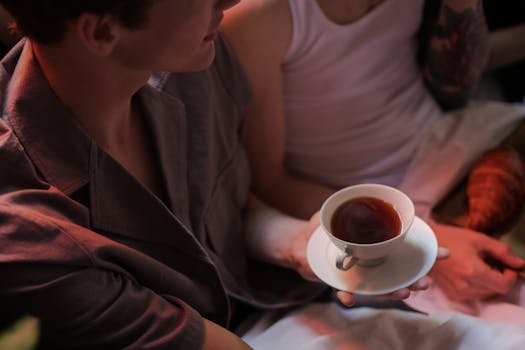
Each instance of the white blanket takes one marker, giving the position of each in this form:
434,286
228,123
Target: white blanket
452,145
508,309
329,326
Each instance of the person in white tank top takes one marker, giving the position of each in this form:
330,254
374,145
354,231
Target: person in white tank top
340,98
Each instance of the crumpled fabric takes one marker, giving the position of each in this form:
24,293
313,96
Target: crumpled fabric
329,326
454,143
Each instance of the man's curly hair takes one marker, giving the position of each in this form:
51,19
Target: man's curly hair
44,21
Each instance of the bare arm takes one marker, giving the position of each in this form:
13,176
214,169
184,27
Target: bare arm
456,52
507,46
218,338
260,32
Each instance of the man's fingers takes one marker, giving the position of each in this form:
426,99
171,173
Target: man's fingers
501,251
346,298
494,281
442,253
509,280
499,282
420,284
399,294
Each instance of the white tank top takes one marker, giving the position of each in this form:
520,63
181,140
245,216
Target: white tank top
355,103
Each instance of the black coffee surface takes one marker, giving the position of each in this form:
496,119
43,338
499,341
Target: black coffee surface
365,220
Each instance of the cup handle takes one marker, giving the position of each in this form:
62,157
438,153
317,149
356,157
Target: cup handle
342,256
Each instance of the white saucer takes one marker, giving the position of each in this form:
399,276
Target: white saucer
408,263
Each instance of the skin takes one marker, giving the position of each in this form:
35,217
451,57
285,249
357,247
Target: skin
506,46
260,33
7,37
275,238
466,275
458,48
113,62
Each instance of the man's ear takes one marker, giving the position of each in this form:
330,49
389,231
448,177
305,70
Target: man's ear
98,33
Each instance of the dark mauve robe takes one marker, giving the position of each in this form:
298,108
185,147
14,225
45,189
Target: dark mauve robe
98,258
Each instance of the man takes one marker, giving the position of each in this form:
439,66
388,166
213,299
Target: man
339,98
121,189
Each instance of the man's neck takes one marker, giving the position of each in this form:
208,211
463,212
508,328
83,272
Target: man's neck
97,90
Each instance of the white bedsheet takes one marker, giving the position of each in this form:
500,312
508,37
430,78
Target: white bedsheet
329,326
508,309
454,143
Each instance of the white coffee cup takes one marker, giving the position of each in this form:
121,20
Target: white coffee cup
367,254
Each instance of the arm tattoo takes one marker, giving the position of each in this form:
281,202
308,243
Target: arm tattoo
457,52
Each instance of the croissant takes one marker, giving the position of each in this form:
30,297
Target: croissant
495,188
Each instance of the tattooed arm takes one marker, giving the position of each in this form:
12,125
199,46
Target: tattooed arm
455,46
507,46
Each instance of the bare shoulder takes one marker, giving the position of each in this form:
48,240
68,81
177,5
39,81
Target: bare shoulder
259,25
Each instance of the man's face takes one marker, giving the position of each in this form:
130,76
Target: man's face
177,36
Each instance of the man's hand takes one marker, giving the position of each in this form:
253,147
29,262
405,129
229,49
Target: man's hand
298,260
348,299
466,274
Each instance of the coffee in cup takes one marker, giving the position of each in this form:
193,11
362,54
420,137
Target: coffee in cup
366,222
